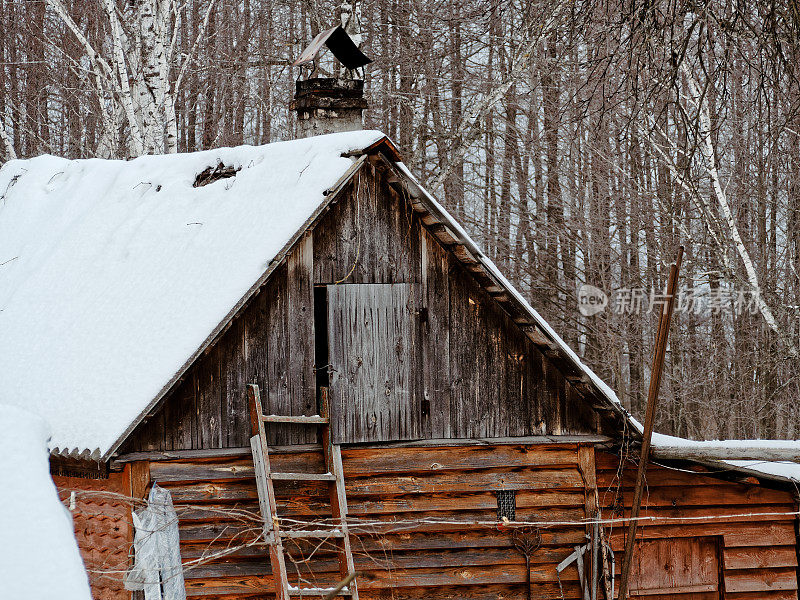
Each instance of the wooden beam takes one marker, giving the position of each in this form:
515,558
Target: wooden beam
139,479
159,455
650,416
524,440
444,234
702,452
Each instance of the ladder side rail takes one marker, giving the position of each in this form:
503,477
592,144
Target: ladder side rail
262,485
333,463
339,500
260,448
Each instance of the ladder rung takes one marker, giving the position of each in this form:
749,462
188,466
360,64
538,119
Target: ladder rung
304,476
297,419
318,592
313,533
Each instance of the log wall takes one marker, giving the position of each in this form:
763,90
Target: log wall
755,536
426,520
474,373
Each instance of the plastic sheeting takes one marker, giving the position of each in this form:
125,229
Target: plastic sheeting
157,568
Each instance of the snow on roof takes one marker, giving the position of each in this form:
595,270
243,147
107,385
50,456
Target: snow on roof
773,469
113,273
782,470
39,557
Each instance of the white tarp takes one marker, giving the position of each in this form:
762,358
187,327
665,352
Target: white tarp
156,544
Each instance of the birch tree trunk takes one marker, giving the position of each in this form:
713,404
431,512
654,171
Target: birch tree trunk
707,152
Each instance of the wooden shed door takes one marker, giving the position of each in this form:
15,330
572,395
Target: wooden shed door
370,339
676,569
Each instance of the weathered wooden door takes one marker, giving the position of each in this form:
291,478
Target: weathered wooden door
676,569
371,341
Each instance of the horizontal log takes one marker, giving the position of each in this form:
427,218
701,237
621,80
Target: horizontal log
758,558
256,560
704,495
221,491
461,501
242,494
464,576
398,491
209,453
771,595
312,534
194,534
753,580
667,594
508,479
542,591
296,419
418,521
657,477
248,529
367,461
772,451
246,590
300,476
735,534
402,578
500,441
276,451
233,467
719,517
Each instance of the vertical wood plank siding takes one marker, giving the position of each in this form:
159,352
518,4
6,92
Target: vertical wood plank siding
757,552
413,511
473,373
371,351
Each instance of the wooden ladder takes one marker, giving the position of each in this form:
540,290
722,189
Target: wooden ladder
269,508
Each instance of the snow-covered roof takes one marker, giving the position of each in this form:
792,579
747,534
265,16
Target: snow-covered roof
114,273
39,558
671,447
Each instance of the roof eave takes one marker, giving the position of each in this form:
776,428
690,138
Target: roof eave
473,259
449,234
330,196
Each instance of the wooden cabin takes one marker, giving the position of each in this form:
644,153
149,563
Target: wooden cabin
457,410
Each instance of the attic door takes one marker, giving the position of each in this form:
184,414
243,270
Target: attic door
370,349
676,569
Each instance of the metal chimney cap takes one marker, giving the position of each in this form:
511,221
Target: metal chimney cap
341,45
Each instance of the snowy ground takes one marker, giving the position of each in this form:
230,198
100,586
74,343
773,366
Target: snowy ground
39,558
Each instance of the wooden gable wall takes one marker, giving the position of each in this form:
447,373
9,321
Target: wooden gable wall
475,374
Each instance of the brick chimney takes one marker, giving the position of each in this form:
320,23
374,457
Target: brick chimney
333,104
328,105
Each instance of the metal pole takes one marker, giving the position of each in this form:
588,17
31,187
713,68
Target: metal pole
650,416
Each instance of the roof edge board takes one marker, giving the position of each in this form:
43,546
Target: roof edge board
426,199
329,196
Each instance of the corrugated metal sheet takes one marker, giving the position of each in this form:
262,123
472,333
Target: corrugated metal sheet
103,529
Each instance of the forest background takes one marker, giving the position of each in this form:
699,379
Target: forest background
580,142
